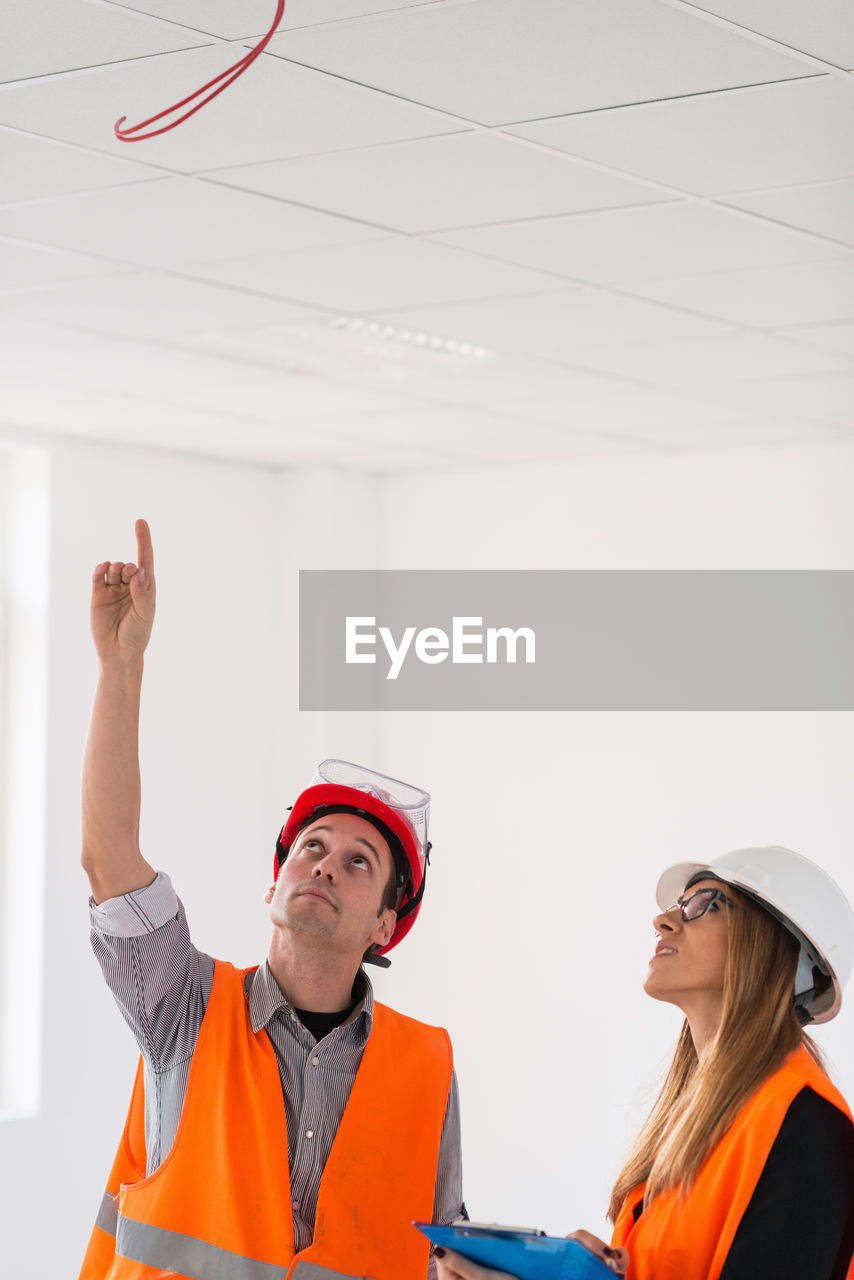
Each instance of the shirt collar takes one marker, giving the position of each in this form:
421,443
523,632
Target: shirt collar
266,999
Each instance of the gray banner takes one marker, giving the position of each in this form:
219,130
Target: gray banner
575,640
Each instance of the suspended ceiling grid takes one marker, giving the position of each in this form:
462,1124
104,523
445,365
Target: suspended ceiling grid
442,234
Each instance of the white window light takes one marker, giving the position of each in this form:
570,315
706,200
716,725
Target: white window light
24,584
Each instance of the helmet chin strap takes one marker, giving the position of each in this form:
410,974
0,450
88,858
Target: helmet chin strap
807,987
804,982
804,988
383,962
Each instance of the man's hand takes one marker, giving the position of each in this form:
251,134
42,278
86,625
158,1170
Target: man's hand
123,599
122,617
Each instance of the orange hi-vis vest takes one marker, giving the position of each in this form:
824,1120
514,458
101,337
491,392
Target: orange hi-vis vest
688,1237
219,1206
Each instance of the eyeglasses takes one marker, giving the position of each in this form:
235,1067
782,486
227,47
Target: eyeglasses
698,903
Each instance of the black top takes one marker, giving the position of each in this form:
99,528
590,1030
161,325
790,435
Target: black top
799,1224
320,1024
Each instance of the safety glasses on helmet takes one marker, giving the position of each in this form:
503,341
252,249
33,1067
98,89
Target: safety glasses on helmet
411,803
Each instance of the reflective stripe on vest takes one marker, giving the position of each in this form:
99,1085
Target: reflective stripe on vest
108,1213
173,1252
156,1247
688,1237
213,1210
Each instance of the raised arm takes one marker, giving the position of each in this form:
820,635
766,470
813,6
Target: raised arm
122,615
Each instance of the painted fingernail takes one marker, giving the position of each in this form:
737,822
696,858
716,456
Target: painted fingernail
439,1251
608,1252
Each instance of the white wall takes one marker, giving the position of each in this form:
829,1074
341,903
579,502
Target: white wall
549,830
211,756
331,519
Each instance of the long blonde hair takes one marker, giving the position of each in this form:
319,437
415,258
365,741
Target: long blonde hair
758,1029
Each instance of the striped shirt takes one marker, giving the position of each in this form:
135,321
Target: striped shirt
162,983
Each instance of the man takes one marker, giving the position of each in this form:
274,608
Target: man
282,1123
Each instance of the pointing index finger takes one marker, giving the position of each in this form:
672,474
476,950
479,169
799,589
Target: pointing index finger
144,549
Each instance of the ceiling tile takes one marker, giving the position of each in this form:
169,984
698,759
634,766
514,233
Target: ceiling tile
41,37
276,110
306,13
768,299
157,424
172,222
680,420
827,208
493,381
712,143
220,18
454,181
830,337
828,398
347,351
714,360
465,429
43,352
487,436
203,379
824,30
34,168
23,265
480,61
155,357
391,363
377,275
253,17
741,431
68,409
559,326
649,243
148,305
451,384
584,390
609,405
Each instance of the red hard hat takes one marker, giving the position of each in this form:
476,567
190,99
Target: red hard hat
396,809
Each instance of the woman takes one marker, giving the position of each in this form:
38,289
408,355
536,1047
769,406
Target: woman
744,1169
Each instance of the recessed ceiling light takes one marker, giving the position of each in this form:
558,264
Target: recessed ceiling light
339,347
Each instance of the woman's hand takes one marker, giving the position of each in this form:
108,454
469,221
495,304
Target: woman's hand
450,1266
616,1259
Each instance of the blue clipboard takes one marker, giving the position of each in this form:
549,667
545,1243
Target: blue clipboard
529,1255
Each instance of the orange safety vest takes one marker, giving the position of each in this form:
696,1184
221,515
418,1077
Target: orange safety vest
688,1237
219,1206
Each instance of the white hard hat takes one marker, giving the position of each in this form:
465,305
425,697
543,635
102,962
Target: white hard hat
803,898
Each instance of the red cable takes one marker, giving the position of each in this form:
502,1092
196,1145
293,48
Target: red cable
229,76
